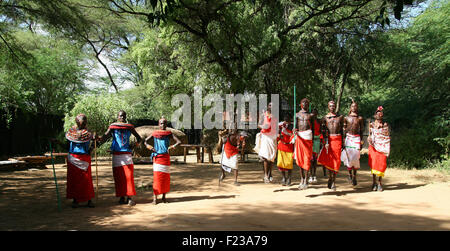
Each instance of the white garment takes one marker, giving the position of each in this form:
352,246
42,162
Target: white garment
229,163
122,159
350,155
161,168
381,143
83,165
266,146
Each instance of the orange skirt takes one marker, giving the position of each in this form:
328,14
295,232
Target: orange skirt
303,152
377,162
332,159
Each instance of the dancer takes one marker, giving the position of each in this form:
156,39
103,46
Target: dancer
330,155
229,158
161,159
123,167
79,176
379,148
353,134
285,161
316,148
265,143
303,147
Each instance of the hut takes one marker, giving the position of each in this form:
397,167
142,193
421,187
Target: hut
145,131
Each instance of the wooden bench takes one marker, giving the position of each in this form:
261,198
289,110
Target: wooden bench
200,154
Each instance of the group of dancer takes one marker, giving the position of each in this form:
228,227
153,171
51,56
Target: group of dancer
80,187
311,142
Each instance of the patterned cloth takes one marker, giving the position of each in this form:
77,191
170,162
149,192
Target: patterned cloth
350,155
379,151
78,136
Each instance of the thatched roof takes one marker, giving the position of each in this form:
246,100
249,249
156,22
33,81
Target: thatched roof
145,131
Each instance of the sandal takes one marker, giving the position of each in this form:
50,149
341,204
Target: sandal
380,188
374,187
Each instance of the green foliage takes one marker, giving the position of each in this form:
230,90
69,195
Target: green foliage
411,82
42,75
101,110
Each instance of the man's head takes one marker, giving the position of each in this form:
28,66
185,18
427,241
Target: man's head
269,107
315,112
162,123
122,116
81,121
354,107
332,106
304,104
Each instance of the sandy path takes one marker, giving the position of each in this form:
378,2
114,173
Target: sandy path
412,200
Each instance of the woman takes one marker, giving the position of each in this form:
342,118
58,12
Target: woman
379,148
79,176
161,159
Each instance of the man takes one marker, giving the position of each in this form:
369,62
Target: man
353,134
161,159
303,147
285,161
229,158
316,148
79,176
265,144
379,148
123,167
330,155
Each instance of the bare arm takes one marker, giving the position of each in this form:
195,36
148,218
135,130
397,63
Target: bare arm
147,145
105,137
177,142
138,137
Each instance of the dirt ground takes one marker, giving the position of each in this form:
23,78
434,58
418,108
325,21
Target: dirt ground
412,200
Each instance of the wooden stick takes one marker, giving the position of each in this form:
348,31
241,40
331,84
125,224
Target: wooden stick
96,170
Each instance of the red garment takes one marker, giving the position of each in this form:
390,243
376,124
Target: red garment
377,161
161,133
119,125
316,128
161,183
283,142
79,182
267,122
303,152
124,179
332,159
230,150
161,174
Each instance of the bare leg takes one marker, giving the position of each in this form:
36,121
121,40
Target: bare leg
155,199
350,176
270,171
266,171
380,187
374,183
236,183
288,181
164,198
283,181
354,182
